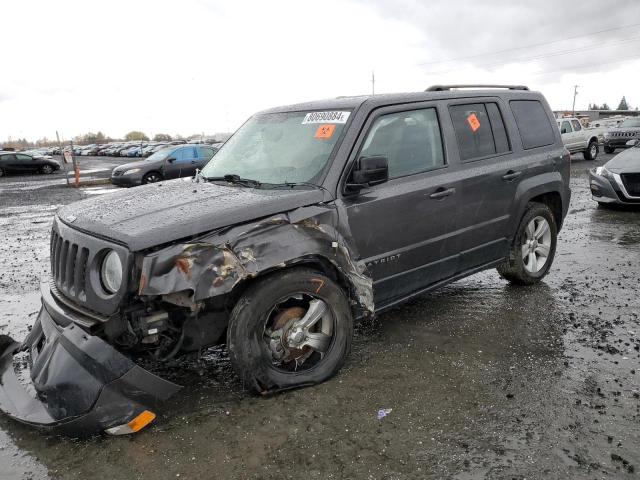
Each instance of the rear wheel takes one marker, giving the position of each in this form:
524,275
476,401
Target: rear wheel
592,151
290,329
608,149
533,248
151,177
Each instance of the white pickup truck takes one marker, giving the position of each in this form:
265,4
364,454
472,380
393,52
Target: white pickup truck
578,138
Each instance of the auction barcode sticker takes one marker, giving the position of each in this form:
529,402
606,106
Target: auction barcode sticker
326,117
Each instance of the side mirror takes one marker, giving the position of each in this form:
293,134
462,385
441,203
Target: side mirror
633,143
171,159
369,171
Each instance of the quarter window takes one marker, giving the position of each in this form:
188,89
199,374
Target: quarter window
479,130
411,141
533,123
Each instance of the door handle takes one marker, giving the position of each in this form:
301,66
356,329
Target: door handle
442,192
511,175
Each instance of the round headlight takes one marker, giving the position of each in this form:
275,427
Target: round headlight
111,272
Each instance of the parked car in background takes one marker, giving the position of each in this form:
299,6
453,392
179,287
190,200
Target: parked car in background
618,180
12,162
167,163
617,137
149,149
38,153
578,138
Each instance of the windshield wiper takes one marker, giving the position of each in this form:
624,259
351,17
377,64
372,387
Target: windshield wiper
297,184
236,179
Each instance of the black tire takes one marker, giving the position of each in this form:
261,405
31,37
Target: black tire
513,269
250,353
152,177
46,169
608,149
1,173
592,151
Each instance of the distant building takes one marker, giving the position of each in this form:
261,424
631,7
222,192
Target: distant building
593,115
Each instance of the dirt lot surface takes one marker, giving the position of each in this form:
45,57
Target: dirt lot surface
479,379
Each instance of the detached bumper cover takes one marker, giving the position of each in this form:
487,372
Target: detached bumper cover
78,385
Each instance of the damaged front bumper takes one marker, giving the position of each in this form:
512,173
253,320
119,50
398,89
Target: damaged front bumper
78,384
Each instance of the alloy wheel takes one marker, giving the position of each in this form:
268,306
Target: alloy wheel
298,332
536,245
152,178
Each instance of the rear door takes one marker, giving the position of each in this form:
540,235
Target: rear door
404,229
489,177
8,162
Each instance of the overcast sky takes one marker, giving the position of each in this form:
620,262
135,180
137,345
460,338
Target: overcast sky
194,66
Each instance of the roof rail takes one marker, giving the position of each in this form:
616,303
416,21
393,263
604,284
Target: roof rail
442,88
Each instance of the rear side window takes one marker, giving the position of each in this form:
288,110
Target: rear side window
479,130
566,127
206,153
576,125
411,141
533,123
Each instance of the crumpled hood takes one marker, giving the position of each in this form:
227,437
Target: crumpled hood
159,213
627,161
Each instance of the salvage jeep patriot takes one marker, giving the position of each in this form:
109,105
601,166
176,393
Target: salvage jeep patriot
310,216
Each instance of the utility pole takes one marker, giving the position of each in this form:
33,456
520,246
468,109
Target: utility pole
575,94
373,82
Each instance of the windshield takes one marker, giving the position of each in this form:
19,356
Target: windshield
160,154
280,147
631,122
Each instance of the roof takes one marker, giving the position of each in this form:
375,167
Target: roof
353,102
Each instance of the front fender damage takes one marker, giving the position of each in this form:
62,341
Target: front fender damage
212,265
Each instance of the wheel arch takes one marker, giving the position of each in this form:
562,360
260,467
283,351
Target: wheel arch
545,189
317,263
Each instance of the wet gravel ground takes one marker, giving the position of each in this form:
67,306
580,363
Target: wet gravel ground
480,379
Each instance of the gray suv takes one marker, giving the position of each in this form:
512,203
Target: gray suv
310,217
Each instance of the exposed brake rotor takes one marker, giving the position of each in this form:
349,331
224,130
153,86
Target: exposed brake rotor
283,321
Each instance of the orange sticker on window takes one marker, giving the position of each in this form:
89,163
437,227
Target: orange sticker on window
474,123
325,131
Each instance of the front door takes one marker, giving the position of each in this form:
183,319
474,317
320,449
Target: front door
181,163
404,228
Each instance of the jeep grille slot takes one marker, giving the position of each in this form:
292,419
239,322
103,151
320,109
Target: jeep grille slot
69,266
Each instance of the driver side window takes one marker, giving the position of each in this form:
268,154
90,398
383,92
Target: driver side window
23,158
411,141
